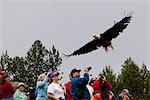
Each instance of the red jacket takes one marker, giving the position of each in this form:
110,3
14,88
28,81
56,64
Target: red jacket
68,96
6,89
96,86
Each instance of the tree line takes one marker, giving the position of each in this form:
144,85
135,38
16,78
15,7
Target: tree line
26,69
38,60
132,77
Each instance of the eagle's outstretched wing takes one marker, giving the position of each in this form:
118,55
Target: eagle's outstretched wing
118,27
90,46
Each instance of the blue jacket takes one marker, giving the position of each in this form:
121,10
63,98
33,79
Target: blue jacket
78,88
41,87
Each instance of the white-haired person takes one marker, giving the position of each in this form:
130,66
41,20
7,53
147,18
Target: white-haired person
124,95
41,86
19,93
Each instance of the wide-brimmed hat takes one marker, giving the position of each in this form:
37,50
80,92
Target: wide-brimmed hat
53,74
20,84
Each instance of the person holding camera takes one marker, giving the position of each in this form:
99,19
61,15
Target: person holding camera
78,89
103,86
42,86
55,91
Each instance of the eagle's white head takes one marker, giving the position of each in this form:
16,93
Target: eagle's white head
96,36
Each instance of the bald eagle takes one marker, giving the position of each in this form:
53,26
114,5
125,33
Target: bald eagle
104,39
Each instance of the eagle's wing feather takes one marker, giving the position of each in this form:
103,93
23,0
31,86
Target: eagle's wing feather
90,46
118,27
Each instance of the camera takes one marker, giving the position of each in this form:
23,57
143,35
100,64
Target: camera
89,68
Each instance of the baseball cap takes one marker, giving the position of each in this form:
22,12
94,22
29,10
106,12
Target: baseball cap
74,70
54,74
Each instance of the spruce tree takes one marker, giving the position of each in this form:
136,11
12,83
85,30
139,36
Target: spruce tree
40,60
20,70
130,77
53,59
6,62
145,77
35,60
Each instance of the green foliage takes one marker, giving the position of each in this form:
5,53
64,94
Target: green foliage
132,77
6,62
35,59
20,69
53,59
145,77
38,60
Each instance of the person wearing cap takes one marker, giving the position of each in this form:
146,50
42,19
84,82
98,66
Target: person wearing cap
78,88
6,88
55,91
41,86
103,86
19,93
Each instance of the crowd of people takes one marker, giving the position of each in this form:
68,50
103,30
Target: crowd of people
77,88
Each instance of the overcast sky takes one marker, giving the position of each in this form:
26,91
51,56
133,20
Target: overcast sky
69,24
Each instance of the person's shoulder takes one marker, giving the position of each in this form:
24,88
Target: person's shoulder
54,84
7,82
68,83
74,79
51,86
97,81
17,92
51,83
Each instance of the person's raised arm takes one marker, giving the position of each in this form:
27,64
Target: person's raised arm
42,83
85,79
